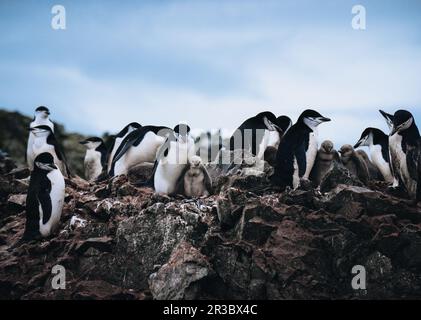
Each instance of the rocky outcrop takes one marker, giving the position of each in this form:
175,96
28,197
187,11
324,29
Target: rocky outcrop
246,241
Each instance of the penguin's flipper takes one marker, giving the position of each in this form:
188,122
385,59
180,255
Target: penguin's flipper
45,203
412,160
312,176
32,210
44,199
300,155
111,142
133,138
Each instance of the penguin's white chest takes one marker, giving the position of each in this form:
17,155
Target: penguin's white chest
380,162
57,200
171,167
268,137
311,153
93,166
274,139
399,163
40,145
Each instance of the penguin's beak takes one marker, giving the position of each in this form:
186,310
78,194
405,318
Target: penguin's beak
83,142
359,143
324,119
46,166
388,118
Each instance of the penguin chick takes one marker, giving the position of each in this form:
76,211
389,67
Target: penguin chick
354,163
326,156
374,173
196,180
45,198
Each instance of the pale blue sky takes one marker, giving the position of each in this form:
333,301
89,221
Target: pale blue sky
211,63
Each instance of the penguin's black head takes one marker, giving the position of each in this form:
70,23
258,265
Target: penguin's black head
129,128
364,140
40,131
181,132
134,125
402,120
44,162
92,142
43,109
388,117
284,123
42,112
269,120
312,118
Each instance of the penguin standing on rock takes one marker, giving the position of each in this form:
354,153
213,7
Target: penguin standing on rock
354,163
41,118
95,158
405,152
117,139
195,180
141,145
254,134
297,151
378,143
172,160
45,141
326,156
45,199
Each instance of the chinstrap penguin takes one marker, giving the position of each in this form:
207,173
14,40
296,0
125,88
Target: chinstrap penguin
45,198
45,141
117,139
378,143
254,134
95,160
139,146
404,145
41,118
297,151
172,159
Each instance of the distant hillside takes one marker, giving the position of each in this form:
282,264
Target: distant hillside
14,135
